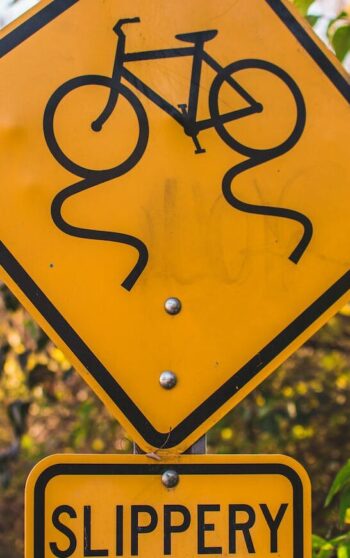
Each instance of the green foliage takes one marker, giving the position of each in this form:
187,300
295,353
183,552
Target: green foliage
341,484
338,546
338,31
341,41
312,19
303,5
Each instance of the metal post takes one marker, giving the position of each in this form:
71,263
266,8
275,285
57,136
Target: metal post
199,447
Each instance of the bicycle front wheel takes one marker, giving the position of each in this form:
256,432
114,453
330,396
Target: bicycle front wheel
278,122
104,154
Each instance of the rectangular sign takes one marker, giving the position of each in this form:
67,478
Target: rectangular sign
113,505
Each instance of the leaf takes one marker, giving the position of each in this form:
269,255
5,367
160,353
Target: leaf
330,26
341,41
341,539
340,481
303,5
317,542
344,504
312,19
343,551
326,551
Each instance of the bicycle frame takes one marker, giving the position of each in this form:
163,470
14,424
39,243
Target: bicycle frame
199,56
187,115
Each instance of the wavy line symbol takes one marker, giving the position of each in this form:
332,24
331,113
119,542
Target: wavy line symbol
269,211
92,178
258,157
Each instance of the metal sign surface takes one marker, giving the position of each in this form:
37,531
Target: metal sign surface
118,506
197,151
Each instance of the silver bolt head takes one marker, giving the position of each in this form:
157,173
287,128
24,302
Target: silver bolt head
167,379
172,305
170,478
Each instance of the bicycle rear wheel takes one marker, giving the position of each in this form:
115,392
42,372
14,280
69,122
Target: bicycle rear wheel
236,71
82,83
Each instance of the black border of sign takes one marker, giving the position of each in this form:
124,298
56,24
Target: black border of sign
157,469
70,337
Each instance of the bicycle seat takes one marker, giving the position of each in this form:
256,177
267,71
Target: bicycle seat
197,36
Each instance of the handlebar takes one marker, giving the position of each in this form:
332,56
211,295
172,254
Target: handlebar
118,26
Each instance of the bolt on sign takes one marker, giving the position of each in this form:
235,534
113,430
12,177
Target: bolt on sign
107,505
175,185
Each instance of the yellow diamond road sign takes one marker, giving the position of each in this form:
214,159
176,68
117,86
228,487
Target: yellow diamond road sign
152,150
108,505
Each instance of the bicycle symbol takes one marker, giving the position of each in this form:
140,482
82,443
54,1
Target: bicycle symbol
186,116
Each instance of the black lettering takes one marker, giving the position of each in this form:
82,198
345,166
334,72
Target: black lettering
273,523
203,527
119,531
245,527
88,551
136,528
65,530
169,528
